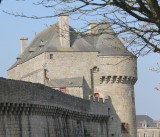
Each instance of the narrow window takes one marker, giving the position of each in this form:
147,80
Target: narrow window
145,134
138,134
153,134
51,56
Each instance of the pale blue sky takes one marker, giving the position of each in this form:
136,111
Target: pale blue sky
12,28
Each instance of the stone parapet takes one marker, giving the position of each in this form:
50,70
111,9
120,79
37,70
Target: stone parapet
20,94
34,110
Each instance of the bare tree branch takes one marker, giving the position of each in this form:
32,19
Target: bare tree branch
136,21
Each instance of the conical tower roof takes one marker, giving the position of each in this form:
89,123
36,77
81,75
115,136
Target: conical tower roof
108,42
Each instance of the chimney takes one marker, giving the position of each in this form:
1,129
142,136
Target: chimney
64,33
23,44
93,28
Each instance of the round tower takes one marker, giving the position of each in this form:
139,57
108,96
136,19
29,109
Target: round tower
116,76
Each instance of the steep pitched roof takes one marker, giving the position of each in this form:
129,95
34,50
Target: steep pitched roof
105,43
144,118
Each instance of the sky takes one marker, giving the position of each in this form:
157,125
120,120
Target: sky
13,28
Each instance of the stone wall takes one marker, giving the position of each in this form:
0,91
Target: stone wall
116,77
71,64
33,110
31,70
73,91
112,76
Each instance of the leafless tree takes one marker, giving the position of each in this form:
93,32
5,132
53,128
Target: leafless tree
157,70
137,22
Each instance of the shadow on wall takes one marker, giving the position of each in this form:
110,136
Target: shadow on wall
116,128
86,89
114,123
33,110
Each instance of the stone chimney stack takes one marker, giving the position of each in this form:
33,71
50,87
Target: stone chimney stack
23,44
64,30
93,28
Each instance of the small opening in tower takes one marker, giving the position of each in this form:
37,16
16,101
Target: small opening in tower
125,127
51,56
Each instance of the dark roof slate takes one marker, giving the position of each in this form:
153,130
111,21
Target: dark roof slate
144,118
66,82
105,43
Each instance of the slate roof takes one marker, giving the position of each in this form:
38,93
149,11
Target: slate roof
144,118
105,43
66,82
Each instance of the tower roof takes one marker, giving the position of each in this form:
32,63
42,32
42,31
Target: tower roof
105,42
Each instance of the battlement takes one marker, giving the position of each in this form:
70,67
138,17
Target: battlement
100,103
118,79
20,92
104,67
28,109
99,100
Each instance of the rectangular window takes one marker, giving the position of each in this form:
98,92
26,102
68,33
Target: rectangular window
145,134
153,134
50,56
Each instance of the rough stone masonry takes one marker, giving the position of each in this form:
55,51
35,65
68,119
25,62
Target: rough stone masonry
82,65
34,110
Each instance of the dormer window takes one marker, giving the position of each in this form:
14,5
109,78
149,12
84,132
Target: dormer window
41,43
144,124
31,50
19,57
